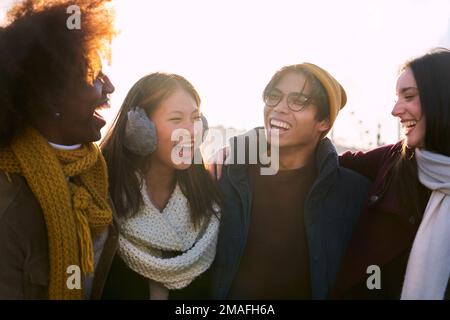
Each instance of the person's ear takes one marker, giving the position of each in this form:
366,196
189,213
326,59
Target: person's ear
324,125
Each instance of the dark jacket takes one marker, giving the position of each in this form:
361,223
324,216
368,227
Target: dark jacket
385,231
24,261
331,209
125,284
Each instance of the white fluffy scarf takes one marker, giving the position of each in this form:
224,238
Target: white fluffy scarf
148,238
428,267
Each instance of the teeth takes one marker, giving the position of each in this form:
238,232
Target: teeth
280,124
103,106
409,124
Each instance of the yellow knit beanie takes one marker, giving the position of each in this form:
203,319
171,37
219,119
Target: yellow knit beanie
337,97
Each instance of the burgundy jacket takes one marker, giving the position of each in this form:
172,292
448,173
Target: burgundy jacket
384,233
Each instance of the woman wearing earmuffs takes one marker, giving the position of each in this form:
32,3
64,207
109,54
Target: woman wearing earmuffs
168,207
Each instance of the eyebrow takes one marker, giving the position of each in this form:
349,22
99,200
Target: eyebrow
302,93
402,90
180,112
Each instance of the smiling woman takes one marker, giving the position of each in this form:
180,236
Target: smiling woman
54,82
405,228
167,212
54,208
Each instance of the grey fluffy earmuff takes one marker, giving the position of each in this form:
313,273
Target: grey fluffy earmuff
140,133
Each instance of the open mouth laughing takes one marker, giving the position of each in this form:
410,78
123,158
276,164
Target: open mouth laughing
280,125
408,126
97,116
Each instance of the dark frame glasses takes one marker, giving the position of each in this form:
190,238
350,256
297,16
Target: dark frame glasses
296,101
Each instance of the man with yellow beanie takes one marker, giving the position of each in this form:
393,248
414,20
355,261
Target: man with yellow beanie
283,236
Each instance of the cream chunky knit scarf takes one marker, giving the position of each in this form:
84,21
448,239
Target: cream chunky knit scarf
149,237
428,267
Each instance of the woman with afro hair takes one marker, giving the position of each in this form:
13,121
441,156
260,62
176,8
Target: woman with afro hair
56,235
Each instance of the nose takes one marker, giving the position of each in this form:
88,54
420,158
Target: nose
187,126
191,128
108,87
398,109
282,106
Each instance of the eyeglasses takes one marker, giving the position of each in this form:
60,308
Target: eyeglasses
296,101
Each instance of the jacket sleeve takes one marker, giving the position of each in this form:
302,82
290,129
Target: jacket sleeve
12,259
366,163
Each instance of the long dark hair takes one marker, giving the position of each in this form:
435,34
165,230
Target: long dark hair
432,74
195,182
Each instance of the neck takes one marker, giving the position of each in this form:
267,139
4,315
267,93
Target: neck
296,157
160,177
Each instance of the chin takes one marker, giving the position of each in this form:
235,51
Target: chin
90,135
409,144
92,138
280,142
97,137
284,142
412,143
182,166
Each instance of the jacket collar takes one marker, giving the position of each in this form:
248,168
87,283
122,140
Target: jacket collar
327,161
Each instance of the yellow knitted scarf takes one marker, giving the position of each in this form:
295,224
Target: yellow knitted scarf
72,190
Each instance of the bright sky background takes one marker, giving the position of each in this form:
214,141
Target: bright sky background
229,49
